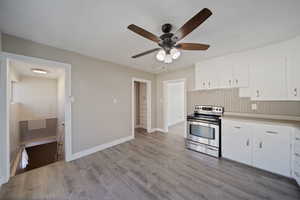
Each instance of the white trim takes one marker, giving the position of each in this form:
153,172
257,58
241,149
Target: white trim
68,99
158,129
100,147
165,103
149,96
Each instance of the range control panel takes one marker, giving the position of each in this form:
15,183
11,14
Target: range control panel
212,110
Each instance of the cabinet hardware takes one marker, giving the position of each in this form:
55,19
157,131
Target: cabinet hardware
236,81
272,132
260,145
297,138
297,154
297,174
295,92
248,142
209,84
238,127
257,93
230,82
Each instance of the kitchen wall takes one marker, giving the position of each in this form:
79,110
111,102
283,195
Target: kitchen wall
95,83
229,98
37,97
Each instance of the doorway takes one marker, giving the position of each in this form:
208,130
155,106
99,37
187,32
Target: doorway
175,106
141,106
37,114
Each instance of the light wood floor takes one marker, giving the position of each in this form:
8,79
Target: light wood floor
152,166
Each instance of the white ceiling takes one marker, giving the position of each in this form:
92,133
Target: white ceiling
97,28
24,69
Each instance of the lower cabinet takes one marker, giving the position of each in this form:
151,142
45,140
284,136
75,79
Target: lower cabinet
236,142
296,155
260,145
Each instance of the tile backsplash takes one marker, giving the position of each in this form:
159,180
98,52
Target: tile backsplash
230,100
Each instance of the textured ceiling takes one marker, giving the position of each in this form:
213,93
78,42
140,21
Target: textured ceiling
97,28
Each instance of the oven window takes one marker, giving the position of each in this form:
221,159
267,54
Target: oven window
202,131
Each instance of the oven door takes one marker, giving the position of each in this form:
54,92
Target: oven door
203,132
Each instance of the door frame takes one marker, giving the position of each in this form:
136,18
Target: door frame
149,96
5,103
165,102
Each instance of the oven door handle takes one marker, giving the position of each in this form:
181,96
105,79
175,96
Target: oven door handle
204,124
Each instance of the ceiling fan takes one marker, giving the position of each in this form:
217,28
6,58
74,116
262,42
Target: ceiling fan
168,48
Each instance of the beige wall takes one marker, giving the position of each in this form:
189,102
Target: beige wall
37,97
95,83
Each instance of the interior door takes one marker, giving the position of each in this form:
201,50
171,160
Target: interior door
236,142
271,150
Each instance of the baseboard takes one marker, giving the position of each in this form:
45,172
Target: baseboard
100,148
157,129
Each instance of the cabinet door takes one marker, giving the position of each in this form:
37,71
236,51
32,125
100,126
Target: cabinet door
240,71
224,67
293,69
201,75
272,149
268,74
236,142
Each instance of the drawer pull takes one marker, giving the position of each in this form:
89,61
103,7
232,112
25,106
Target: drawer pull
297,154
298,139
260,145
237,127
272,132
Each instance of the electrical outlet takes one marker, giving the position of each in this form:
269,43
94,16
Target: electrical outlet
254,106
115,100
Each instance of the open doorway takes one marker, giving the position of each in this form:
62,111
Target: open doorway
36,114
141,106
36,111
175,107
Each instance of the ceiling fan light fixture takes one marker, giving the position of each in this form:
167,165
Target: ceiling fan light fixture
161,55
168,59
175,53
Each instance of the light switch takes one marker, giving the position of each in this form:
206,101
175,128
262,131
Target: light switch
254,106
115,100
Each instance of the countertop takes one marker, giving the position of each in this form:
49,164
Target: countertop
278,119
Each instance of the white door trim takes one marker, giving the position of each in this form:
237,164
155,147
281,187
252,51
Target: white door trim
165,102
148,91
4,128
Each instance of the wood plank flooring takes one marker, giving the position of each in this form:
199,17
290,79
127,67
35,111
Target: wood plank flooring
152,166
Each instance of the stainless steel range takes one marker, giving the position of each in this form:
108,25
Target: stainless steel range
204,130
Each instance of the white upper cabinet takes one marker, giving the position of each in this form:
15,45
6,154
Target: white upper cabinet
268,74
225,66
206,75
293,69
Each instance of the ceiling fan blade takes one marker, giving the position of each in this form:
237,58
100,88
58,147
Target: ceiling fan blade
146,52
192,24
142,32
192,46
